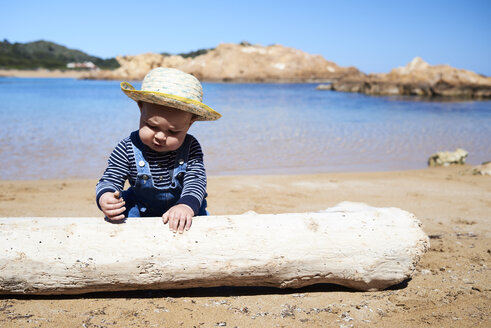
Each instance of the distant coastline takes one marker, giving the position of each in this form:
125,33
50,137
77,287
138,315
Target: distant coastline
41,73
82,75
247,63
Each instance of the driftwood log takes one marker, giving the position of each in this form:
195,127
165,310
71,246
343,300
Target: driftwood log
352,244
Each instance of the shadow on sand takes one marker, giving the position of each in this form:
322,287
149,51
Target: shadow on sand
202,292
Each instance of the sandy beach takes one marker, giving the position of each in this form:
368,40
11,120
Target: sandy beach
450,288
41,73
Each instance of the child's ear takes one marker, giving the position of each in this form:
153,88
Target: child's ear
194,118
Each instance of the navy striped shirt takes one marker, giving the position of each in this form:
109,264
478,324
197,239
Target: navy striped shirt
122,167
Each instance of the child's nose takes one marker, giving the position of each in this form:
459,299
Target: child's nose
160,136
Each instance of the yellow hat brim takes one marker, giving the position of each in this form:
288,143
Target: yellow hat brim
203,112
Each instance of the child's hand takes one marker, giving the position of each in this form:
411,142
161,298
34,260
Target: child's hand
112,205
179,217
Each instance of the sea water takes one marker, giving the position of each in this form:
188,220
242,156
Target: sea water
66,128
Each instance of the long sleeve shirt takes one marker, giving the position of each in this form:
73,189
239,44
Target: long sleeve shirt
122,167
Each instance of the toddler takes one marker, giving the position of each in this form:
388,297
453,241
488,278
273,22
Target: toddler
162,163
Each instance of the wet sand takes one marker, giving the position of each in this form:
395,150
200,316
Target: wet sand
450,288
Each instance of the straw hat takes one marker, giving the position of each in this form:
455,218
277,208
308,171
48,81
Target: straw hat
174,88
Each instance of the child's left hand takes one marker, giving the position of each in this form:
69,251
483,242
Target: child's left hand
179,217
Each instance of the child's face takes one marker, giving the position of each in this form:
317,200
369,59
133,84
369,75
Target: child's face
163,128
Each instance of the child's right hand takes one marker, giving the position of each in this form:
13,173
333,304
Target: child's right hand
112,205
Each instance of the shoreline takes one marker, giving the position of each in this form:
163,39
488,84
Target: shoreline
85,75
221,189
41,73
284,172
450,286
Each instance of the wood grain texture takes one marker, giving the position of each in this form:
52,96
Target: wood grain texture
351,244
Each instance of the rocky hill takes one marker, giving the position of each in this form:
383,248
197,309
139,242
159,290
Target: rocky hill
418,78
237,63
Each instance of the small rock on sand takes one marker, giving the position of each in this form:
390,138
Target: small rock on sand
446,158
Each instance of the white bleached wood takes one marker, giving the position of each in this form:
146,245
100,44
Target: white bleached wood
352,244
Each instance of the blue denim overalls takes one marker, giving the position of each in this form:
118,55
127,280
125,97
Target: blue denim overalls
144,199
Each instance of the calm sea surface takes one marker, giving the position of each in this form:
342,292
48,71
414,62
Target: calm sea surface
66,128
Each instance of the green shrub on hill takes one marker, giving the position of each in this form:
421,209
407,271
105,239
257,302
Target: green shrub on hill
195,53
190,54
45,54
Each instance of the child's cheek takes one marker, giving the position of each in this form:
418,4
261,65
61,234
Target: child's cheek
173,143
145,134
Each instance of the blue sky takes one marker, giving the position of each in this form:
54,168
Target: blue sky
374,36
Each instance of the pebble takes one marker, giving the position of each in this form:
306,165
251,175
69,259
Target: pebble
466,234
346,317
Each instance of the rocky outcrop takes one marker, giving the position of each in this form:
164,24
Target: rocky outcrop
237,63
446,158
483,169
136,67
231,62
420,79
